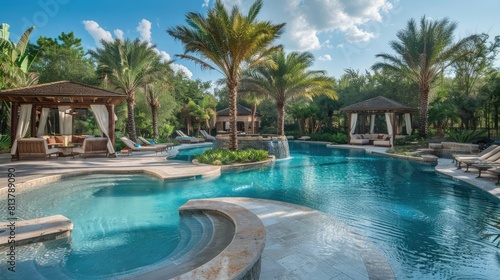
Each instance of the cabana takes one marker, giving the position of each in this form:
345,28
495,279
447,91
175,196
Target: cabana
243,120
65,96
362,114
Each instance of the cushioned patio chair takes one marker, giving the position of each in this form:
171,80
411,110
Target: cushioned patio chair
35,148
147,143
93,146
136,147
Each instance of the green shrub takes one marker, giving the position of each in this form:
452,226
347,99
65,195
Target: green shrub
338,138
223,157
410,139
466,136
5,144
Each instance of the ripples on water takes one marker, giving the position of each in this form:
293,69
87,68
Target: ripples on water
428,226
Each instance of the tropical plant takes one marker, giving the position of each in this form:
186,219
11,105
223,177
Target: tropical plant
15,60
228,42
466,136
422,54
220,157
126,64
288,77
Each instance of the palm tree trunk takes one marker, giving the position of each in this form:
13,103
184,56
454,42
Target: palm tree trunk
154,112
131,116
281,118
424,111
254,111
301,126
232,96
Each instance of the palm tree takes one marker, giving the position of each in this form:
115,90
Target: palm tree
126,65
421,55
286,78
227,42
157,85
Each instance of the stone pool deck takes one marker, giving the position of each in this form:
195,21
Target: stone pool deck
301,243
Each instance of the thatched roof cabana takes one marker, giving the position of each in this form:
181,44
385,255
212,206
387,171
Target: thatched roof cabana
243,119
65,96
394,112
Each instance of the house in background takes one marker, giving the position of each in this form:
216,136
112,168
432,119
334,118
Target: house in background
243,120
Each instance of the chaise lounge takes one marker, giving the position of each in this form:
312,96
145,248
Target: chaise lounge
147,143
131,145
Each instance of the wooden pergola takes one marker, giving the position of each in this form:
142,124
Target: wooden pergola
378,106
57,94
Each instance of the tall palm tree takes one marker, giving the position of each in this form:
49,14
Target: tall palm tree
156,85
126,64
422,53
286,78
228,42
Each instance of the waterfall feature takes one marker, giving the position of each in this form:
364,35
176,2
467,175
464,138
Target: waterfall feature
275,145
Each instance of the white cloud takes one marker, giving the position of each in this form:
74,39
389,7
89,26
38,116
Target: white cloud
118,33
144,29
181,68
97,32
325,57
205,3
308,19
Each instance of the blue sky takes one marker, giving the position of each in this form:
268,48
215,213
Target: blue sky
340,33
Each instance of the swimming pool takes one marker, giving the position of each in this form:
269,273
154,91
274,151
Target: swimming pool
428,226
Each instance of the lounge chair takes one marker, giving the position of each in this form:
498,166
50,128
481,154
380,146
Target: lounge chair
181,134
491,155
304,138
147,143
493,159
471,156
35,147
207,136
189,140
184,138
131,145
93,146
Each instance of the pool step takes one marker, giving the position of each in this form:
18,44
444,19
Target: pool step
35,230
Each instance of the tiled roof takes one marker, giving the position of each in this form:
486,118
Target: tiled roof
62,91
378,103
241,111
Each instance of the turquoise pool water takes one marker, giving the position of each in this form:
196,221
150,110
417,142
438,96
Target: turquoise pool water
428,226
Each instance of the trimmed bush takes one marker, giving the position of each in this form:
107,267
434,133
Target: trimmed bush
224,157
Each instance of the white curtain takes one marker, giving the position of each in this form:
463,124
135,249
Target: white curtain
65,120
354,120
372,123
101,117
388,121
42,122
22,125
408,123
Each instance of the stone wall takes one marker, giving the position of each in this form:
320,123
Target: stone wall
275,145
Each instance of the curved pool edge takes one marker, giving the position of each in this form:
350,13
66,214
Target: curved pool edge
291,248
241,259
